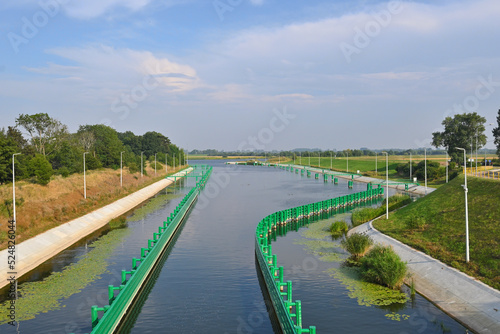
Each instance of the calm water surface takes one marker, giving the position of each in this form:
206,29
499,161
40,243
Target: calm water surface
207,282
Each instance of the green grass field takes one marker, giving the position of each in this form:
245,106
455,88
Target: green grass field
443,234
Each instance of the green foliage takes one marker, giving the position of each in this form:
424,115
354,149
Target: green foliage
383,266
339,228
133,168
458,131
63,171
41,169
7,148
452,165
46,133
496,134
444,236
360,216
415,222
357,244
107,144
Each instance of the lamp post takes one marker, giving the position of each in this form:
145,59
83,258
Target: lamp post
446,166
386,185
14,190
466,209
376,163
309,158
142,166
319,159
347,161
121,168
300,158
425,163
84,177
174,162
331,160
411,175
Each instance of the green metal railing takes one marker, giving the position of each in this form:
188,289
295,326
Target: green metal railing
123,296
289,312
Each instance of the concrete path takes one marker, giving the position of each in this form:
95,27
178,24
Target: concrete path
33,252
420,190
468,300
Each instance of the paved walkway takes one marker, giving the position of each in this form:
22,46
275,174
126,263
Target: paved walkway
35,251
468,300
412,188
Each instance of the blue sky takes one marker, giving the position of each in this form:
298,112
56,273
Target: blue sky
253,74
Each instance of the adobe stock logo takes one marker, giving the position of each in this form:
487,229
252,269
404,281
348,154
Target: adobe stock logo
363,37
31,26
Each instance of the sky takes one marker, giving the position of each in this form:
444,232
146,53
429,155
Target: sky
253,74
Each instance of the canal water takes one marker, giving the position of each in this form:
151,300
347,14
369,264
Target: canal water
207,282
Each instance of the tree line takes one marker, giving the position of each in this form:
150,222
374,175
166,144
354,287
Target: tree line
48,148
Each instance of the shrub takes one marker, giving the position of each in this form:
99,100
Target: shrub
383,266
338,229
357,244
133,168
63,171
41,169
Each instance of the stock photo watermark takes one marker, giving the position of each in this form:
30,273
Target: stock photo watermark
363,37
471,103
223,6
31,26
259,141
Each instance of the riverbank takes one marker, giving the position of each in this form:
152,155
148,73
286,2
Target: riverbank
33,252
412,188
468,300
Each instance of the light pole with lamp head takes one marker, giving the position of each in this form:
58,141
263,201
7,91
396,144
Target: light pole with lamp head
142,165
121,168
386,184
466,209
84,177
425,163
14,189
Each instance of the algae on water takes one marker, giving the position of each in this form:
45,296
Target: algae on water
46,295
317,241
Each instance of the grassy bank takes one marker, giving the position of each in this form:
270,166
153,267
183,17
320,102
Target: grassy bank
40,208
435,225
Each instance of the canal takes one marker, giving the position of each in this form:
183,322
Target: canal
207,282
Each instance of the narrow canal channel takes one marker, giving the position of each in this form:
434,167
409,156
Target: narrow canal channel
207,282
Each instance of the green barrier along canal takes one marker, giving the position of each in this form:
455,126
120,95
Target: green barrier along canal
121,298
289,312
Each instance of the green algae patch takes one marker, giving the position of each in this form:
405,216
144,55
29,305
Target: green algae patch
367,294
318,242
46,295
152,205
396,316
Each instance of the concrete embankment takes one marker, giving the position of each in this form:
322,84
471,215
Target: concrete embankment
420,190
35,251
468,300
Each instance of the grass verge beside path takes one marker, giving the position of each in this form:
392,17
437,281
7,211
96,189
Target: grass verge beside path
440,232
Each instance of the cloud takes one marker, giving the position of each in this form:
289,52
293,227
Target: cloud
257,2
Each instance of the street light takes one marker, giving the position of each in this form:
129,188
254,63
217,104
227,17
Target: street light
425,163
14,190
331,159
466,209
411,175
84,177
347,161
386,184
121,168
142,166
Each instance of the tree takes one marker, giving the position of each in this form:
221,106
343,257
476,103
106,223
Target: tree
460,131
7,148
41,169
46,133
107,144
496,134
